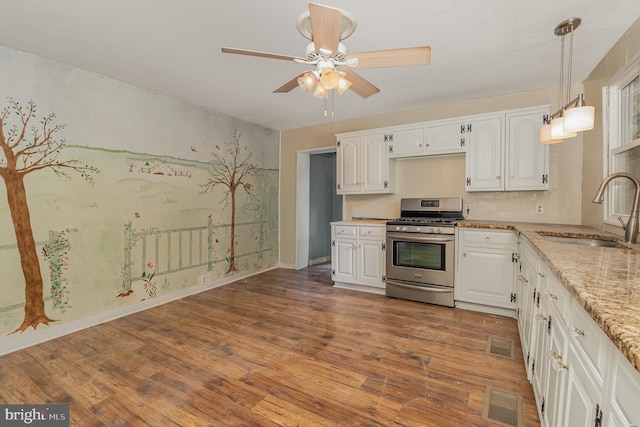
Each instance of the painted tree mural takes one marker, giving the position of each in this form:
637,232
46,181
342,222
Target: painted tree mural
29,147
231,168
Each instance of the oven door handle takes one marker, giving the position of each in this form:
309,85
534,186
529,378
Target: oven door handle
419,288
410,237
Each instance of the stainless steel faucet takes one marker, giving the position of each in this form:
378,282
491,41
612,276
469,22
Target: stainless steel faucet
631,227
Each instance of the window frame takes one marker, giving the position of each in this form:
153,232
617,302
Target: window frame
611,97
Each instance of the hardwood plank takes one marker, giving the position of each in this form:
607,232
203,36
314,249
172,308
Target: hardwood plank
280,348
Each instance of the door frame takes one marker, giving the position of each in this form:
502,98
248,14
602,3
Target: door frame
303,165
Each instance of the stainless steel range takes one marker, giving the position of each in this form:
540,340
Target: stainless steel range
420,250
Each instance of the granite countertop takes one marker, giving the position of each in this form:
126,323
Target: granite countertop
605,281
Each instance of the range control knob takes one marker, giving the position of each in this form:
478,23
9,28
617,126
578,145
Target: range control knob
404,228
417,229
439,230
397,228
431,230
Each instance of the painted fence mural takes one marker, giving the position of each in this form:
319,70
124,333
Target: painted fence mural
154,214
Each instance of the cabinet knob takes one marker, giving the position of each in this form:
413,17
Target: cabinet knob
498,177
487,238
541,317
511,177
464,254
574,332
552,297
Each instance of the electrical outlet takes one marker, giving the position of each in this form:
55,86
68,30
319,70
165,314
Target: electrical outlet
539,209
467,209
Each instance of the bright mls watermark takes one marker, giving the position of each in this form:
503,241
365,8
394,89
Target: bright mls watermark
34,415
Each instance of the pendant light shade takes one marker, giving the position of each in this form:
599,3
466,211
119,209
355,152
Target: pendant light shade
578,119
545,135
558,130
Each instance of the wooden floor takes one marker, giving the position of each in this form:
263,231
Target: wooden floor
283,348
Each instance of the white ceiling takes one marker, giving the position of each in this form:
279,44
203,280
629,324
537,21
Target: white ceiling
479,48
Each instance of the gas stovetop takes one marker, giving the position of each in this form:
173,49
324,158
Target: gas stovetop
427,216
421,220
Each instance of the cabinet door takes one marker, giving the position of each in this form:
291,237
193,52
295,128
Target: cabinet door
370,261
406,142
583,397
527,160
348,165
487,276
445,138
485,155
343,259
556,376
373,164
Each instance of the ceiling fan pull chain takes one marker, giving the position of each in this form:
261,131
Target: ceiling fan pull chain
332,103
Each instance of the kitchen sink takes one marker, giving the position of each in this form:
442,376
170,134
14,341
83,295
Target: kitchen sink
581,239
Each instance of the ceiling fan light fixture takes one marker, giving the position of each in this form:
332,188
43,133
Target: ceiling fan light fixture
329,78
320,92
307,81
343,85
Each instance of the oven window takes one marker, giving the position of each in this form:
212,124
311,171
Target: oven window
419,255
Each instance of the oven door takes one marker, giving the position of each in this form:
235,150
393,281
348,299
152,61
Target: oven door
420,258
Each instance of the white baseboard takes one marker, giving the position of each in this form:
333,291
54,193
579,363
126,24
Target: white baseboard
18,342
508,312
288,265
321,260
362,288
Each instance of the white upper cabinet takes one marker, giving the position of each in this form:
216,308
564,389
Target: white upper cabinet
485,154
527,166
504,152
362,164
439,137
445,137
405,142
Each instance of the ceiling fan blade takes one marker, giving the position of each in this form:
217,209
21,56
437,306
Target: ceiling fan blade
360,85
393,57
260,54
289,86
325,27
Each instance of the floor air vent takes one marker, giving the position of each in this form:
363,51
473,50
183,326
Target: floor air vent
500,347
503,407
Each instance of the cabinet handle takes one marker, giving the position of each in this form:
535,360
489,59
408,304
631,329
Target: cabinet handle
574,332
556,361
552,297
541,275
498,177
524,279
541,317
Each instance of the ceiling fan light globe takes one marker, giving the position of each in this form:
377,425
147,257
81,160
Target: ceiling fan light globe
307,80
320,92
343,85
578,119
329,78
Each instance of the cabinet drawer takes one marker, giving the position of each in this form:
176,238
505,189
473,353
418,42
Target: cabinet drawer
372,232
589,340
491,237
344,230
559,298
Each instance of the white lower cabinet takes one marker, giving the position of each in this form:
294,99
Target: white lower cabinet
358,256
486,270
579,377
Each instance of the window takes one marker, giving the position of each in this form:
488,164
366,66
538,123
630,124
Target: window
623,99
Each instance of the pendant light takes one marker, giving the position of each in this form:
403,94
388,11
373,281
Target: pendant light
574,116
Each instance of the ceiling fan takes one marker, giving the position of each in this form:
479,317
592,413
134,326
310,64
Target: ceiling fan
326,27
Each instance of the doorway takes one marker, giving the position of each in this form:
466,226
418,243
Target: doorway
317,204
